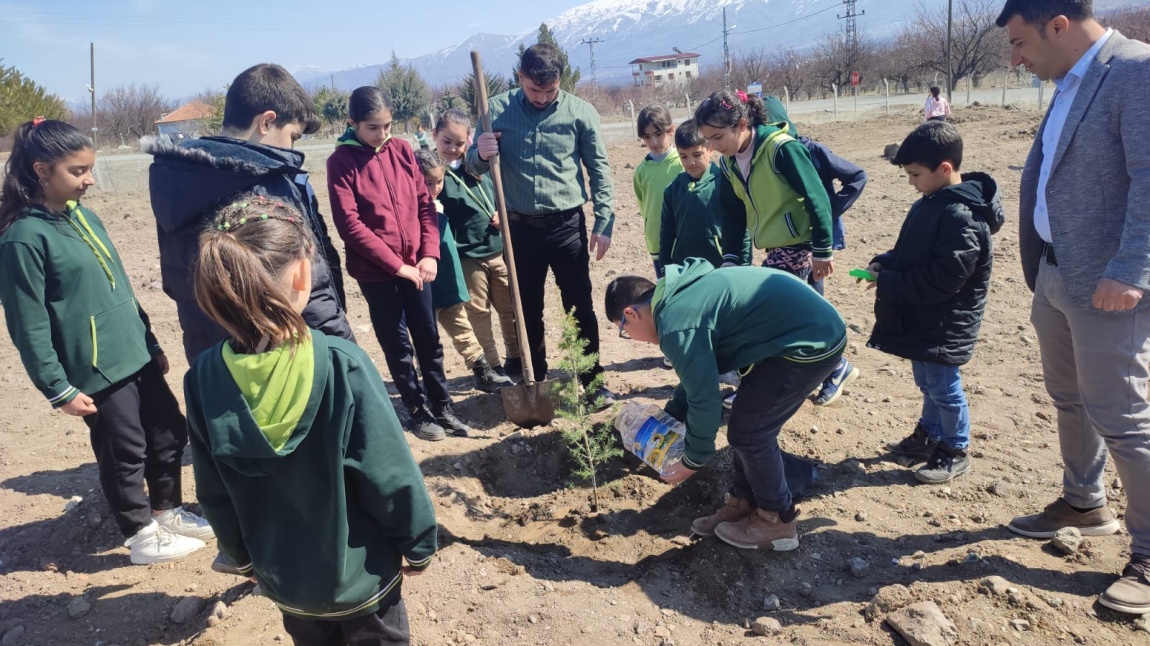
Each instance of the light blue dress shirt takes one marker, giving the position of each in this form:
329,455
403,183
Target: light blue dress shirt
1055,122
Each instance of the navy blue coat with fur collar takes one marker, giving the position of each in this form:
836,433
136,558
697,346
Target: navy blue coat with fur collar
190,181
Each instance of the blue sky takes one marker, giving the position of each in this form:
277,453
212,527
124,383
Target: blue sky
186,47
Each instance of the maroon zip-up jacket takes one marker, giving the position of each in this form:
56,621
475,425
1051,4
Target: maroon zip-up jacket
381,208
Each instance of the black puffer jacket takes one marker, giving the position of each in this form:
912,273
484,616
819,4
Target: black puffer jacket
932,287
189,181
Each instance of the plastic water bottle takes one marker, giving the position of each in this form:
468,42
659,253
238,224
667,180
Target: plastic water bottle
652,435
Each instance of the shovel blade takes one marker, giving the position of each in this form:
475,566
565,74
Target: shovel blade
528,406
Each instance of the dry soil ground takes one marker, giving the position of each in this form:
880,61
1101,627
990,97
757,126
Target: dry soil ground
525,561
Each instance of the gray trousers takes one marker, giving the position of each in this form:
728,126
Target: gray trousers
1096,369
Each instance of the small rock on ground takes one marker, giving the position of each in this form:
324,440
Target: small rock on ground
1067,540
766,626
994,585
13,636
78,607
771,603
186,609
887,600
923,624
858,567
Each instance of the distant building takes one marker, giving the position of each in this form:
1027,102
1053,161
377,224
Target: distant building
187,120
659,70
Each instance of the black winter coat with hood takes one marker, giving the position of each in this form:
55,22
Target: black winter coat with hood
933,285
190,181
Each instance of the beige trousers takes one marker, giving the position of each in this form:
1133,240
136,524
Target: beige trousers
490,289
455,322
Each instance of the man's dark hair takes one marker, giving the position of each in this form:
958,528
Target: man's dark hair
1040,12
542,63
264,87
687,135
624,292
931,144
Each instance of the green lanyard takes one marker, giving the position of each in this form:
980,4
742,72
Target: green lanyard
484,203
90,238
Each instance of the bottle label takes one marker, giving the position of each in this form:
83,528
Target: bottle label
653,441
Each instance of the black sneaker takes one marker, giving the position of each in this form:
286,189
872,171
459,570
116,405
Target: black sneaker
944,465
487,379
423,425
513,369
918,446
600,399
448,420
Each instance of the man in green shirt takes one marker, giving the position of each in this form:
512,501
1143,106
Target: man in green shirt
545,138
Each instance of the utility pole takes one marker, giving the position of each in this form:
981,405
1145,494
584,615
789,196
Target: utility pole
949,32
852,28
726,52
92,90
590,43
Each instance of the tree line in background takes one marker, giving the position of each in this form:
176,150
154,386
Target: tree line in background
912,60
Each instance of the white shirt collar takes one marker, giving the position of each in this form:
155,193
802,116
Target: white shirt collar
1080,68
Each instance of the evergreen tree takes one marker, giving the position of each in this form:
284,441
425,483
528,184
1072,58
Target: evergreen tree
331,105
568,79
405,90
513,82
21,99
496,84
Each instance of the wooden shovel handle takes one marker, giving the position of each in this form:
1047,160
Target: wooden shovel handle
505,227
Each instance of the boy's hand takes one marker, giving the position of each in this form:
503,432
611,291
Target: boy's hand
80,406
495,221
428,268
677,473
162,363
487,145
873,268
408,272
823,268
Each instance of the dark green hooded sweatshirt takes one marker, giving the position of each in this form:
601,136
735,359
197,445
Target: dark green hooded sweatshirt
711,321
325,522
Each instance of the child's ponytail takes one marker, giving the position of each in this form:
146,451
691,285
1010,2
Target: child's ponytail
243,255
723,109
44,141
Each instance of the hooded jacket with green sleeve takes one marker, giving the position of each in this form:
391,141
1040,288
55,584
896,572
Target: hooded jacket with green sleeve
469,203
782,203
711,321
651,180
325,521
69,305
692,221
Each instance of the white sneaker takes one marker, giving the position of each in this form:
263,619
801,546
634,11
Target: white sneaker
729,401
155,544
185,523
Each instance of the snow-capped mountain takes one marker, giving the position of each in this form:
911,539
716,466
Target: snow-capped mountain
631,29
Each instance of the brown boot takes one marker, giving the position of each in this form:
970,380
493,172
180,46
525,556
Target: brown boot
733,509
761,530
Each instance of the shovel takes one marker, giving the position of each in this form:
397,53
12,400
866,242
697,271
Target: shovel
527,403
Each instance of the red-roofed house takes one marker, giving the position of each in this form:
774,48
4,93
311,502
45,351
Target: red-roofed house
671,68
186,120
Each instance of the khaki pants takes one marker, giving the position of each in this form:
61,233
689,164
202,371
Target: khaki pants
489,286
455,322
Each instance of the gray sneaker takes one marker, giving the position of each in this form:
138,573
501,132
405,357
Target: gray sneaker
1131,593
1059,514
944,465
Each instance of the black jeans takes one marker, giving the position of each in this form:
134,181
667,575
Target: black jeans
387,626
138,435
769,395
401,315
562,248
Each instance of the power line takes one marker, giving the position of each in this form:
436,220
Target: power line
775,26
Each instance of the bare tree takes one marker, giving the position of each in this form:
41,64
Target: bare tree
128,112
749,66
979,47
791,70
836,59
1133,23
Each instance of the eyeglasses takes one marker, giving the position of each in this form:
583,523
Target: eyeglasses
623,318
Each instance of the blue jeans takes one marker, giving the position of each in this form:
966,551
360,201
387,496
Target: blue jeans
768,397
945,415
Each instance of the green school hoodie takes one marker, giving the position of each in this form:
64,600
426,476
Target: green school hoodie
651,179
711,321
325,521
469,203
69,305
692,221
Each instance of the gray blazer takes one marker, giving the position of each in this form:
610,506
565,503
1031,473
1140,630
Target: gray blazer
1098,195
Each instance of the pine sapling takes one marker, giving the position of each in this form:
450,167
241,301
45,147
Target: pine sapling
590,444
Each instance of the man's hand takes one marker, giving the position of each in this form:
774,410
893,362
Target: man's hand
677,473
162,363
599,244
428,268
1113,296
487,145
409,272
80,406
823,268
